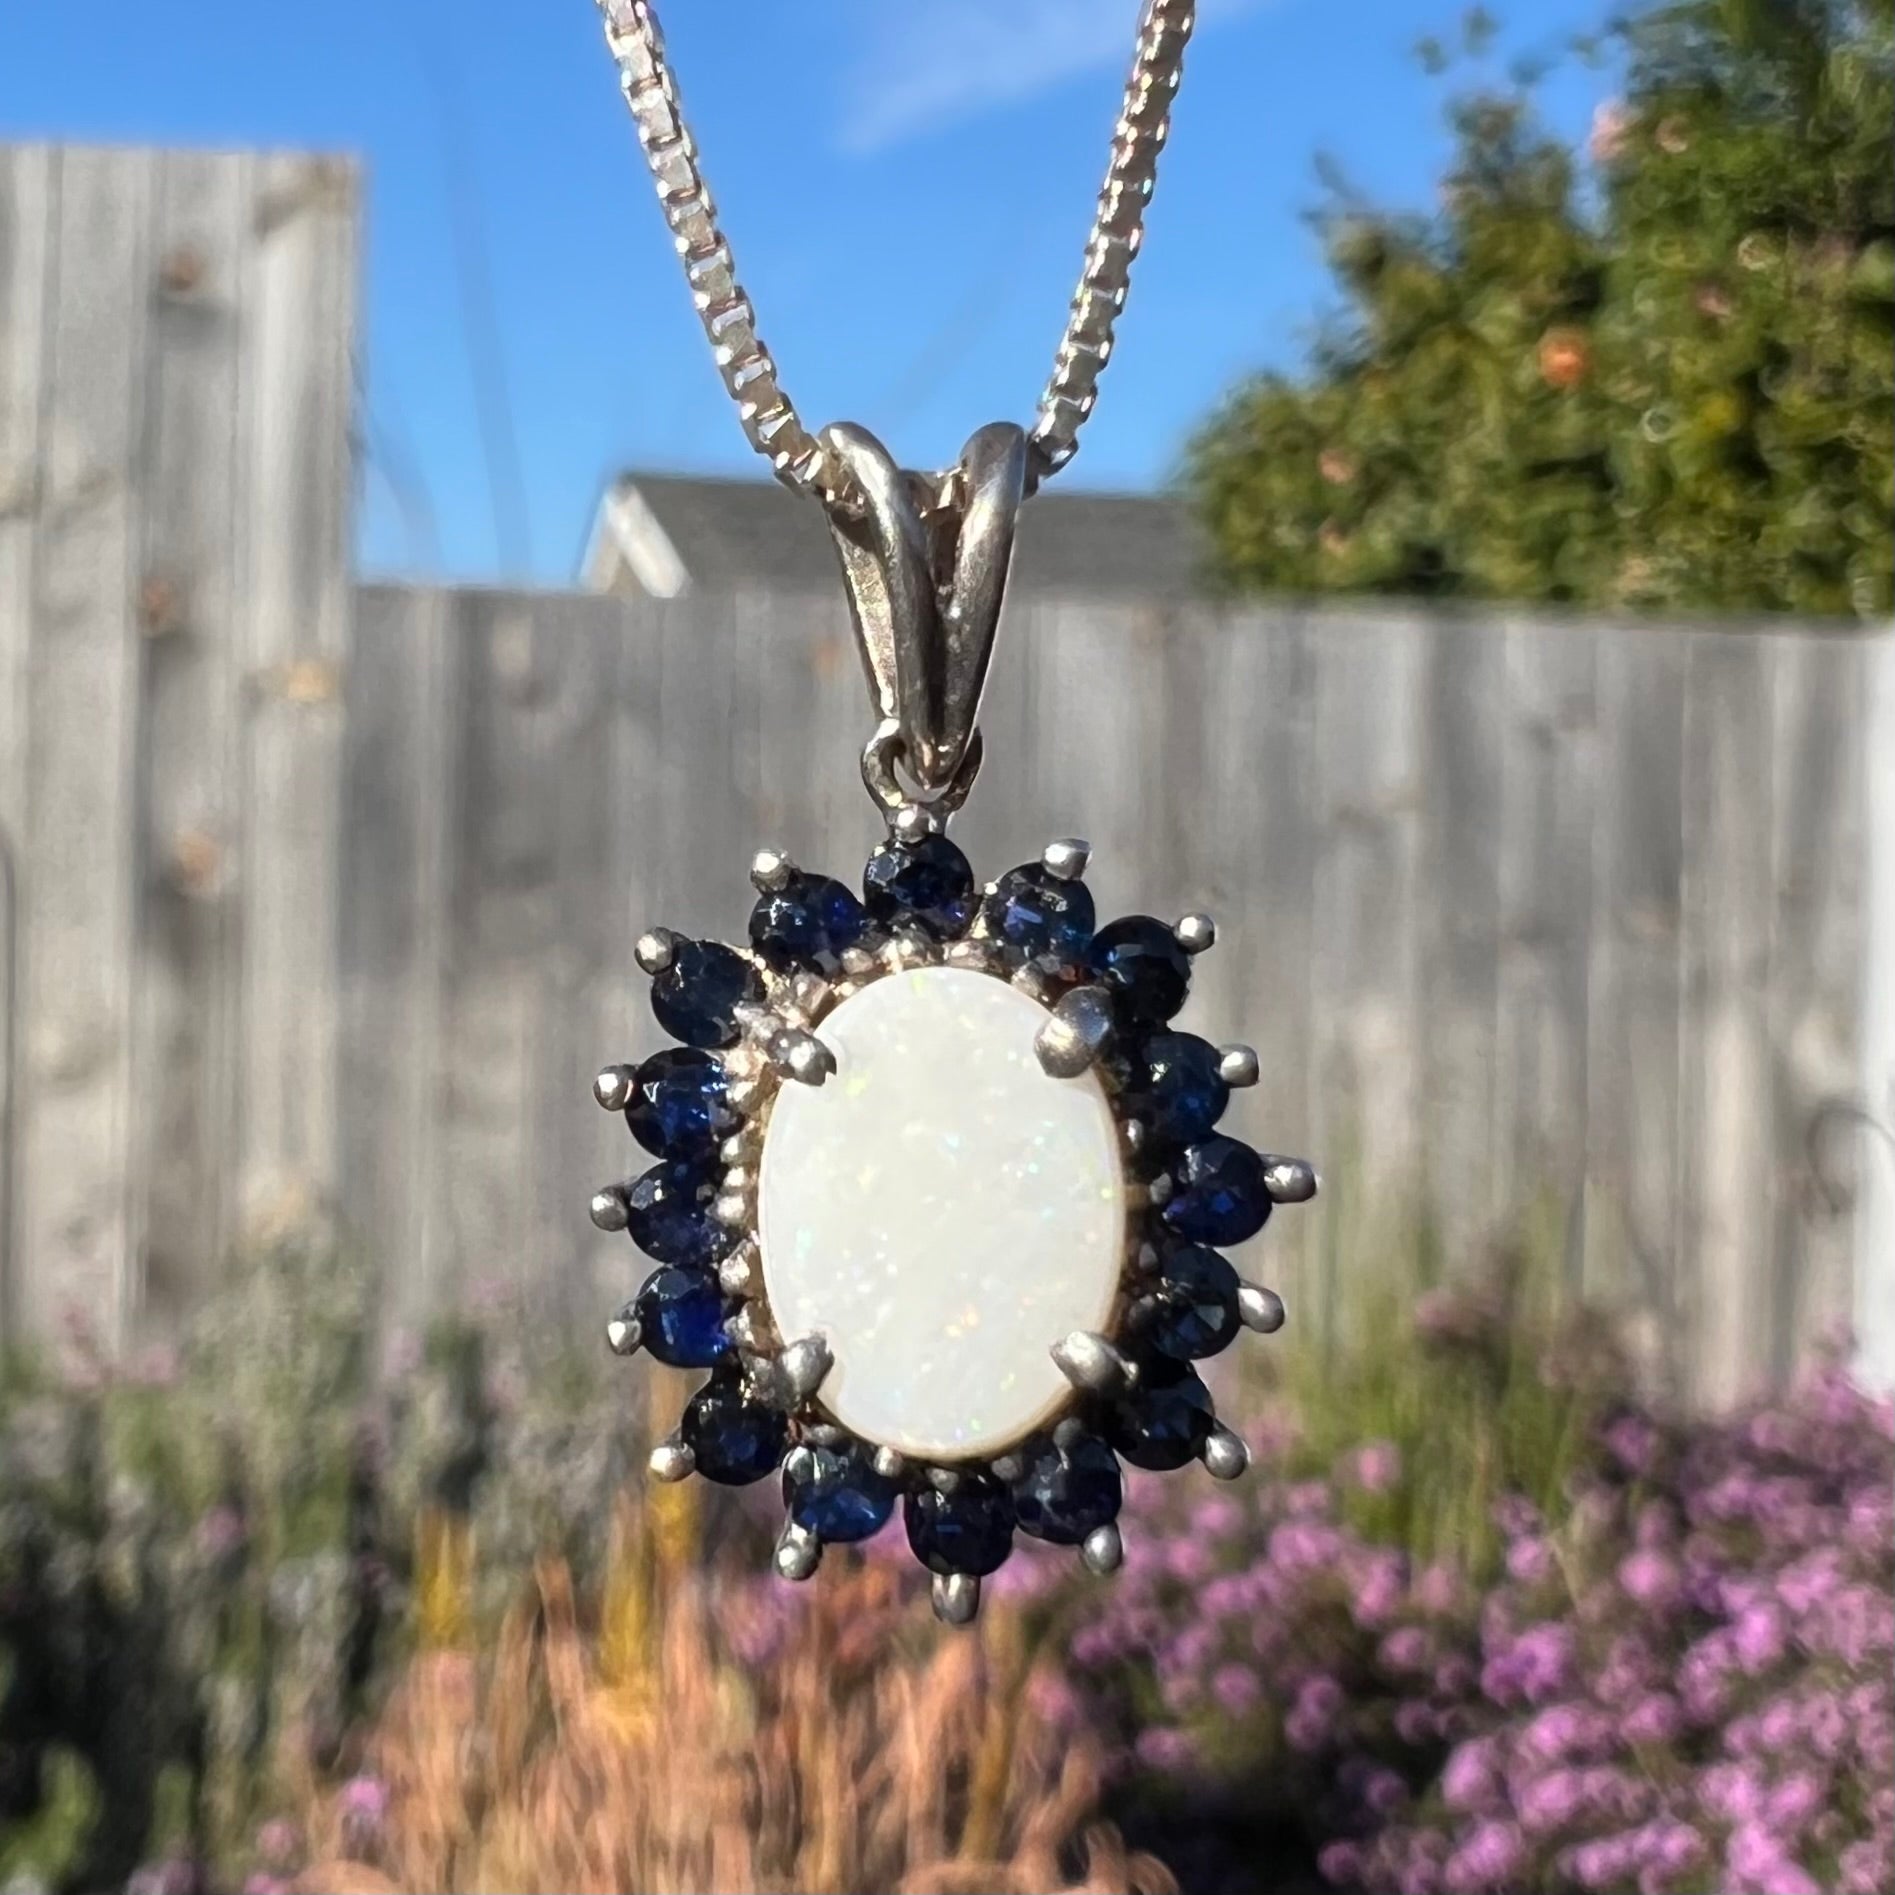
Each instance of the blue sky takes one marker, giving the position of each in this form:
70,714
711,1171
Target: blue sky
907,185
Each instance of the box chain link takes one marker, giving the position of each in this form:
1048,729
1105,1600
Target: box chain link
798,457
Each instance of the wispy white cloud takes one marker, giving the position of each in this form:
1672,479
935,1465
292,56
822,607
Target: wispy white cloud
925,64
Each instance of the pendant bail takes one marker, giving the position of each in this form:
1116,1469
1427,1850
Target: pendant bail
925,563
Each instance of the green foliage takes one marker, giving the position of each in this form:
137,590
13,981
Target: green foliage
207,1554
47,1848
1661,375
1481,1389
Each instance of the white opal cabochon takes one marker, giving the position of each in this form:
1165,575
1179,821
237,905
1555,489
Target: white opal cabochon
942,1212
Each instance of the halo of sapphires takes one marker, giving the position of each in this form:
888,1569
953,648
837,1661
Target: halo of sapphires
939,1203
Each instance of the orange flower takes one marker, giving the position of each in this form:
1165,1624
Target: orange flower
1565,358
1611,125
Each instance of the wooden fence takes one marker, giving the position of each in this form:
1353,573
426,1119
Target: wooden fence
1524,918
325,895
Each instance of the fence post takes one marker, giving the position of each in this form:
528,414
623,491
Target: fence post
1875,1202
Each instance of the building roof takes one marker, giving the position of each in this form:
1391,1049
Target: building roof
660,534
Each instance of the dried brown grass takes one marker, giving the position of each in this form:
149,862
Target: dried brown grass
871,1755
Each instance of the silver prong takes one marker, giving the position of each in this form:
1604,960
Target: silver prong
799,1463
1103,1550
1033,981
802,1056
672,1460
809,994
611,1210
1135,1134
912,821
654,949
907,947
1158,1189
1259,1309
624,1332
979,955
1195,932
613,1087
737,1149
1289,1180
1144,1260
770,869
758,1021
746,1329
802,1366
890,1464
955,1597
1069,1434
1224,1455
944,1480
859,961
826,1434
1237,1064
731,1209
1066,859
1090,1362
1007,1467
798,1551
1075,1034
738,1272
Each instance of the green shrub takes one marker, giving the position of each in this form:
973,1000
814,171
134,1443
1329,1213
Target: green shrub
1661,375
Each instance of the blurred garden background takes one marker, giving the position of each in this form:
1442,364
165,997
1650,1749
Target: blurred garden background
1531,720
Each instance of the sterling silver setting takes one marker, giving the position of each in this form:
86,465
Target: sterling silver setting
775,1381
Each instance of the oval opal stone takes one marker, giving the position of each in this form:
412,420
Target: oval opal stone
942,1212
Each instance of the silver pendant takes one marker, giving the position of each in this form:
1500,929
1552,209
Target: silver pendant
939,1201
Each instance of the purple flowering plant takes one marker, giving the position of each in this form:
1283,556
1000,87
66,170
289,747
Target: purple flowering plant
1660,1659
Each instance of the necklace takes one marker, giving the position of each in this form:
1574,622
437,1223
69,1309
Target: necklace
939,1200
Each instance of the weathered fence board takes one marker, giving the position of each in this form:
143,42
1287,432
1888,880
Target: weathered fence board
1818,851
1545,823
81,848
29,202
296,400
1634,1207
176,391
183,1021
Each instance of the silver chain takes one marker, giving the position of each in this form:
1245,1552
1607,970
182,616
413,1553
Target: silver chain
775,430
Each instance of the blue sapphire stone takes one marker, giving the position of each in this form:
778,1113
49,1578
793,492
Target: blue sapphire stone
1067,1493
928,882
1173,1084
680,1105
1033,910
735,1440
1220,1196
841,1498
696,998
967,1531
1140,964
810,918
1162,1423
1194,1313
681,1314
671,1215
